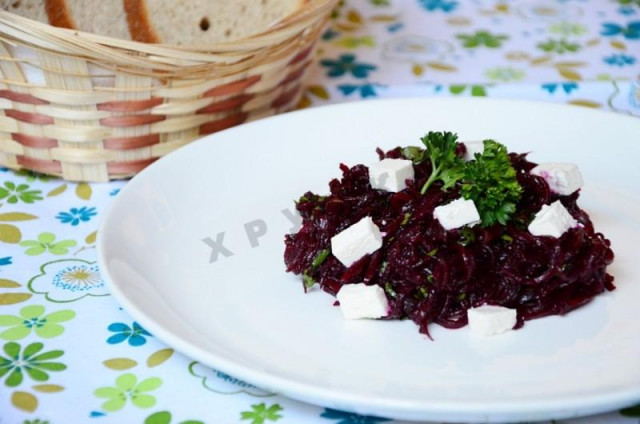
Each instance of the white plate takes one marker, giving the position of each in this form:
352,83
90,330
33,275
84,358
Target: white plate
244,315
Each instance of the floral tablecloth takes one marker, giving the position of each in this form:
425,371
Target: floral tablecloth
70,354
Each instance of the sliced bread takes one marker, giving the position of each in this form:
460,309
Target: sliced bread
33,9
191,22
105,17
178,22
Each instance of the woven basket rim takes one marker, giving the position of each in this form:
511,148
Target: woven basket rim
17,29
93,108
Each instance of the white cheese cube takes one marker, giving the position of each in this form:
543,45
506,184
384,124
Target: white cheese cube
359,301
457,214
473,147
355,241
552,220
489,320
563,178
391,174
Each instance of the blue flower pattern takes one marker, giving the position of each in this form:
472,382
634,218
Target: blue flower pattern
330,34
567,87
631,31
395,27
619,60
76,215
135,335
365,90
626,10
444,5
346,64
5,261
342,417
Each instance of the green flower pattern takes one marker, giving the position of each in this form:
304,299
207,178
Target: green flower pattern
47,243
128,388
482,38
559,46
31,176
32,319
14,193
29,361
567,29
260,413
164,417
505,74
629,3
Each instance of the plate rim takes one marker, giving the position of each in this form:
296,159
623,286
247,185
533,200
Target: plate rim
566,407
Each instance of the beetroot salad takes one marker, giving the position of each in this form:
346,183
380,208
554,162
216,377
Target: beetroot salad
527,246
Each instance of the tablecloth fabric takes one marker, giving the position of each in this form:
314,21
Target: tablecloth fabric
70,354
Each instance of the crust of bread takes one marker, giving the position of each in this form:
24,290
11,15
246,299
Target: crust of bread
58,14
140,26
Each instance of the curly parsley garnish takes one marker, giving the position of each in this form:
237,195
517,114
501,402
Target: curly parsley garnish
489,179
446,165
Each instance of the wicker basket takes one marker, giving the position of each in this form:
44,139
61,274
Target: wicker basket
93,108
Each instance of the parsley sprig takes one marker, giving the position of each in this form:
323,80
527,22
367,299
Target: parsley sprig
446,166
489,179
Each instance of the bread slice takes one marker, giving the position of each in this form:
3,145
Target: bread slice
33,9
177,22
105,17
190,22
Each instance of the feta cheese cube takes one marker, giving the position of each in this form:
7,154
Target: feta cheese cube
563,178
359,301
457,214
552,220
473,147
354,242
490,320
391,174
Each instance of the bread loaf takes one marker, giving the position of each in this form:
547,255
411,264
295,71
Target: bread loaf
177,22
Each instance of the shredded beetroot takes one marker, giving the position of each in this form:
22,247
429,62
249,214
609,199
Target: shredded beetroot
431,275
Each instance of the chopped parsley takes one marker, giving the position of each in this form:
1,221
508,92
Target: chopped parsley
317,261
